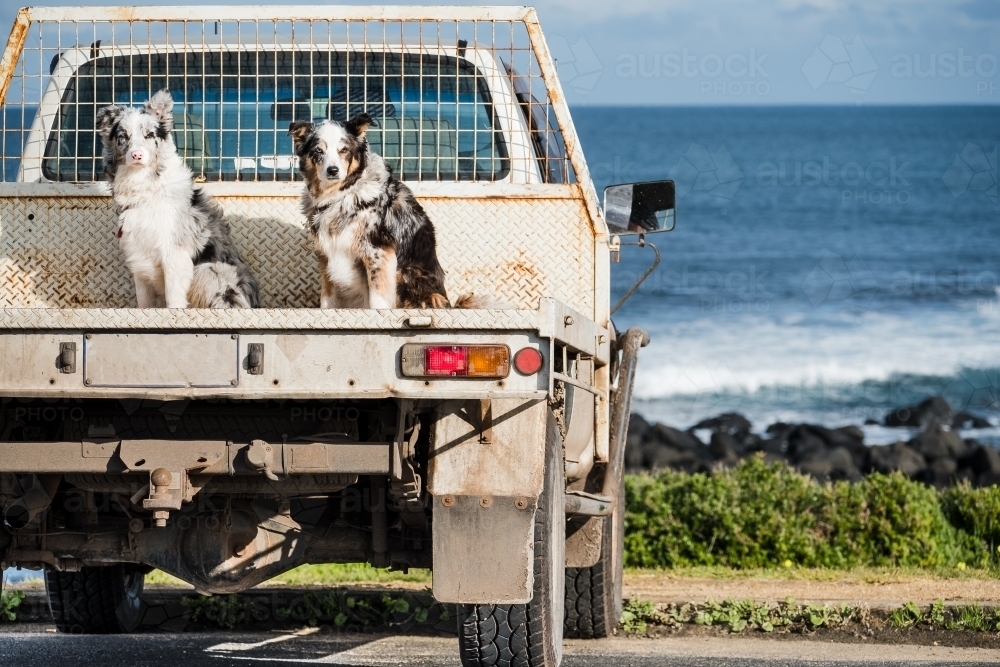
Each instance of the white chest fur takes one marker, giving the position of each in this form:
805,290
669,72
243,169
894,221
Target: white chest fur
148,235
344,267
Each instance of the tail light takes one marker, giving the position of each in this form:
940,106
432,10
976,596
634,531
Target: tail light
471,361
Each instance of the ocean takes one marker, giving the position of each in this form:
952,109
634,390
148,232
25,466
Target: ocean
828,264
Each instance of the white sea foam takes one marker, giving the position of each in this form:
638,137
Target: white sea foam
750,353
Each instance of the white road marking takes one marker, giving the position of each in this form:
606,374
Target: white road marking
381,652
235,646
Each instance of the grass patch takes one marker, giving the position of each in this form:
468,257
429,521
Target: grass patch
161,578
761,516
332,574
737,616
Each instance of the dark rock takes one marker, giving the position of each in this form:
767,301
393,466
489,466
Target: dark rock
939,473
936,456
965,475
724,448
804,443
752,443
779,428
982,460
637,427
968,420
665,457
854,433
634,459
834,464
851,438
897,456
661,446
931,412
672,437
732,423
774,447
939,444
871,422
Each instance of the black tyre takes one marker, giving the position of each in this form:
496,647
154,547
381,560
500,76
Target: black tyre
96,600
594,594
527,635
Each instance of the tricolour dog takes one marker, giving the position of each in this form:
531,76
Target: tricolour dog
174,238
375,243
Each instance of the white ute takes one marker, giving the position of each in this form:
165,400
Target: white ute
226,447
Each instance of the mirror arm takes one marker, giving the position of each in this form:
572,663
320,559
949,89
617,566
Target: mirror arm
652,267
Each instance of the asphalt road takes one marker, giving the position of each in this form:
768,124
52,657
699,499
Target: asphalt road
25,649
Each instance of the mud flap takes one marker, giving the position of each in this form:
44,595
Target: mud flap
483,554
484,491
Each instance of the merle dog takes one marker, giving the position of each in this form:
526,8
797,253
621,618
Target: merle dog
174,238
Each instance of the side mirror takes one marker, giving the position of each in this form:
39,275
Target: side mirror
640,208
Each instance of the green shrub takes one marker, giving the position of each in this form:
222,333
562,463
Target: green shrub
9,601
977,513
759,515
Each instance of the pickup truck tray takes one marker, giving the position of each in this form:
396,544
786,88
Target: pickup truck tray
307,353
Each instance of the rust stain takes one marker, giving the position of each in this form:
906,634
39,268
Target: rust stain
15,44
122,13
522,268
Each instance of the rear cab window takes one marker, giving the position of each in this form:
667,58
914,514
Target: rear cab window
435,117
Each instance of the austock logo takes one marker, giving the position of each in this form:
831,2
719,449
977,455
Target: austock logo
713,173
732,74
976,389
835,62
834,279
974,170
578,65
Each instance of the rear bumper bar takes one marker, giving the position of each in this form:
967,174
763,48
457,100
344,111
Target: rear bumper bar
261,354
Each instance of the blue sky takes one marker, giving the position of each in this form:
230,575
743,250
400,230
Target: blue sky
803,51
732,52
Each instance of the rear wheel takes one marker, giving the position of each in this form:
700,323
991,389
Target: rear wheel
594,594
96,600
527,635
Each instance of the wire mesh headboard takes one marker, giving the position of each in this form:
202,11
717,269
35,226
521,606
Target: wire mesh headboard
457,93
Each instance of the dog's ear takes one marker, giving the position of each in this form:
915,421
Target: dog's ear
161,105
299,130
358,126
106,119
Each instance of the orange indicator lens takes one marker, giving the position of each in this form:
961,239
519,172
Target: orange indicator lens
491,361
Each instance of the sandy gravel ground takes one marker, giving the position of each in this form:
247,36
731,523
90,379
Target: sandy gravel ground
660,587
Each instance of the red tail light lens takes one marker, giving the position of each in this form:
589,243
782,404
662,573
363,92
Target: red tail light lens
528,361
471,361
449,360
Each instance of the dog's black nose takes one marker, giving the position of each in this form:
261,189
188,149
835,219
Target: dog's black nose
332,172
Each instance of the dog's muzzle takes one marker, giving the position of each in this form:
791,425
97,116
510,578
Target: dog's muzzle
135,156
332,172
